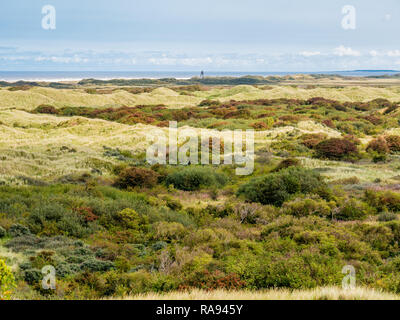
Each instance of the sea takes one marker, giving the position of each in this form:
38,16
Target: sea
54,76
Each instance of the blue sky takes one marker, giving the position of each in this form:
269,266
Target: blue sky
214,35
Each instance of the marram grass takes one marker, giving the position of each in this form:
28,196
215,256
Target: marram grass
325,293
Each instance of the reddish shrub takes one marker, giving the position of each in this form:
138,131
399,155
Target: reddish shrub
291,118
218,124
352,138
206,103
312,139
163,124
373,119
20,88
286,163
47,109
378,145
259,125
137,177
87,214
329,123
265,115
336,149
393,143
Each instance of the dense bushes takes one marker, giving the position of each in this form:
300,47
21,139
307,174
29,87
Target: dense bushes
45,108
336,149
393,143
129,218
384,144
378,145
136,177
353,209
286,163
276,188
312,139
383,200
17,230
69,257
346,117
2,232
142,247
7,282
302,207
194,178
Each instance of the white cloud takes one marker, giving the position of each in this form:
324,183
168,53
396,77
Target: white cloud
59,59
309,53
162,61
394,53
374,53
343,51
196,61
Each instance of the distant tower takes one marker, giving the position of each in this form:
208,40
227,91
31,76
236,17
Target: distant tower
202,74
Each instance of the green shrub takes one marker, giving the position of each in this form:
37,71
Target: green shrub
7,281
46,212
276,188
136,177
353,209
129,218
302,207
165,231
75,226
18,230
94,265
2,232
172,203
33,276
383,200
195,178
207,280
336,149
387,216
286,163
378,157
249,213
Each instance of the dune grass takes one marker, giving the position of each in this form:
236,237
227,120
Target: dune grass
34,145
31,145
326,293
34,97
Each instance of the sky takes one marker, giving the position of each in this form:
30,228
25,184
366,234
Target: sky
211,35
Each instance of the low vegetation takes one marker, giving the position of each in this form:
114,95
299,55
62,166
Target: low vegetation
77,193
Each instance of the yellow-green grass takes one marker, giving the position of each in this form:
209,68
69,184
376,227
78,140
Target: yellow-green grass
325,293
36,96
31,146
365,172
12,259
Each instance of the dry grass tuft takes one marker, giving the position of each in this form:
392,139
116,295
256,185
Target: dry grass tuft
326,293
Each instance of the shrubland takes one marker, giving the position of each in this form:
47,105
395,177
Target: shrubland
76,193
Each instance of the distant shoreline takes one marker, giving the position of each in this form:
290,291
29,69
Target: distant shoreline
74,76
